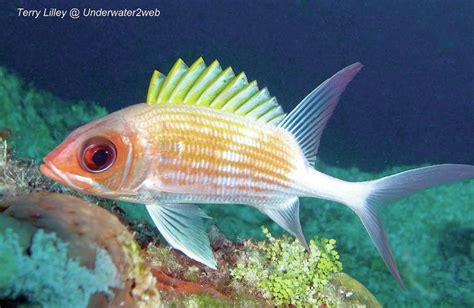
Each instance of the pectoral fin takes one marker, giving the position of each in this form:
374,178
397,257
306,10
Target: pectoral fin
182,226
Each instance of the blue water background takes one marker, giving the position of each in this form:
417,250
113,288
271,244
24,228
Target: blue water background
412,103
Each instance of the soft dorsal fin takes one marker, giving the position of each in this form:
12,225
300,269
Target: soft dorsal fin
307,121
211,86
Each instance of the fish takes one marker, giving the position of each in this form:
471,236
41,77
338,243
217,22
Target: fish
207,135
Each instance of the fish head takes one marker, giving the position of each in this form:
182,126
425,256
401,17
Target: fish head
96,158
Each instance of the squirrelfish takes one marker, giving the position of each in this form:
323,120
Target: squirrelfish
206,135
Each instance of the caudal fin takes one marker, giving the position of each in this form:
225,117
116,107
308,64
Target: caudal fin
391,188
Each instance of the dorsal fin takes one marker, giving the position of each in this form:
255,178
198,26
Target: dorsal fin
211,86
307,121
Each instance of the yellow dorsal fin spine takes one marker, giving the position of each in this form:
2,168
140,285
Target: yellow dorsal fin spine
277,119
212,87
187,81
175,75
257,99
240,98
205,99
270,114
233,87
209,74
154,88
263,108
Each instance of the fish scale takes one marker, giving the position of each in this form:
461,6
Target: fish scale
236,163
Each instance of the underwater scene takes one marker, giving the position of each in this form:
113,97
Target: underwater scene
237,153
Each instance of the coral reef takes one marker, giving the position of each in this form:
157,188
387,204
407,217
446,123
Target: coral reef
57,250
182,281
45,275
277,271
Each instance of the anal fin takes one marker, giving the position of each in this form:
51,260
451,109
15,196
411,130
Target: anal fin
286,214
182,226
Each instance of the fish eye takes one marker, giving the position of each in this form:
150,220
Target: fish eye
98,155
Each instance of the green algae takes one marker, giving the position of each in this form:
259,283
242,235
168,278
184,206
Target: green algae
282,271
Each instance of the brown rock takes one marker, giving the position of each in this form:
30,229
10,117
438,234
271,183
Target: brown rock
85,228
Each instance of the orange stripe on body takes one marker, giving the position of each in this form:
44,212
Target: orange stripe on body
272,148
219,147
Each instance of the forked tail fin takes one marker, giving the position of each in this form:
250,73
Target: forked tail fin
391,188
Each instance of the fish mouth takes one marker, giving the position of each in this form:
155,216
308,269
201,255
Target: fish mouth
50,171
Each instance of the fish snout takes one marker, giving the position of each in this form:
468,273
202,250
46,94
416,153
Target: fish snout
48,170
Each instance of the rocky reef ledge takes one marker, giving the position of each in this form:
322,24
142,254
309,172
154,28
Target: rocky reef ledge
58,250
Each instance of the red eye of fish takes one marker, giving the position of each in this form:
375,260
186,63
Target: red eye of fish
98,156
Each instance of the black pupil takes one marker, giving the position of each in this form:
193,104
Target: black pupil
100,157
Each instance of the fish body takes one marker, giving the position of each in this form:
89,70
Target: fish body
190,154
201,155
208,136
